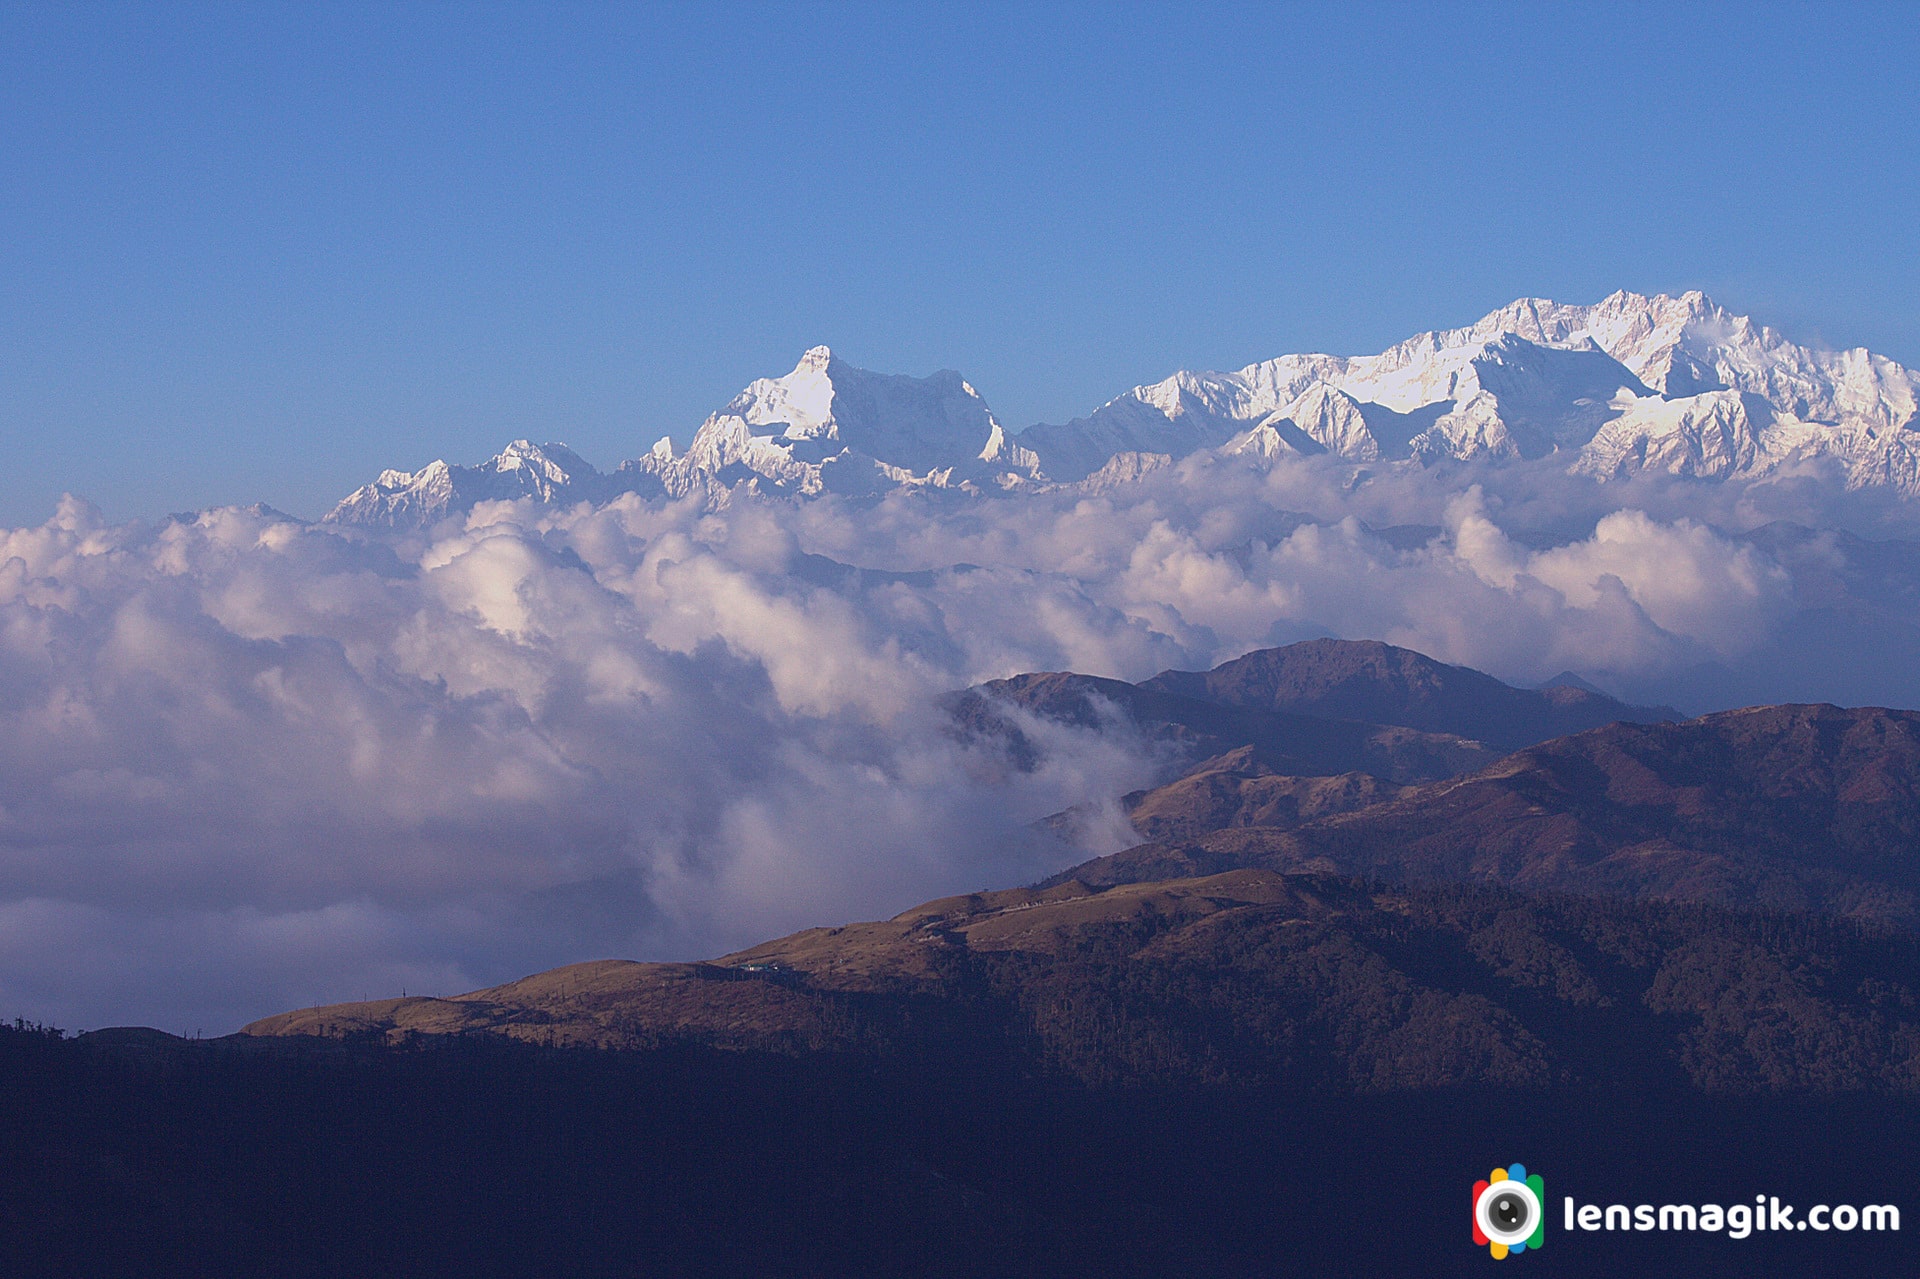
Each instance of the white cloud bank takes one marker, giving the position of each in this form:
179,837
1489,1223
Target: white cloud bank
248,764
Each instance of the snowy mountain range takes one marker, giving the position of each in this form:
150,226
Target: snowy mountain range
1630,384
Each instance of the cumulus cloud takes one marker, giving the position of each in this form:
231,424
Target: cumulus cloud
248,763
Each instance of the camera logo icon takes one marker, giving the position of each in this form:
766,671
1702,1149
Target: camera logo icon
1509,1210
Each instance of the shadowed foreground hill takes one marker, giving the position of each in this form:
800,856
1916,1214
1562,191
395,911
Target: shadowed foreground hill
1789,807
1252,978
474,1156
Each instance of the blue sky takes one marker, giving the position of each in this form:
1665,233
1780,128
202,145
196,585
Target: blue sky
258,253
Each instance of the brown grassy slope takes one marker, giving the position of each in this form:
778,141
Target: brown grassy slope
605,1003
1240,789
1791,807
1253,977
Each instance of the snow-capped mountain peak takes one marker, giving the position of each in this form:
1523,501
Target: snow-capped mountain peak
801,402
827,413
1630,383
413,499
1532,379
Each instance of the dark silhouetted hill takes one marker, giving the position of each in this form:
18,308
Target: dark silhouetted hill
462,1156
1377,683
1290,743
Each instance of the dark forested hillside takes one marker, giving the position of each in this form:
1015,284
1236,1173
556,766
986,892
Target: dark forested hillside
463,1156
1252,978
